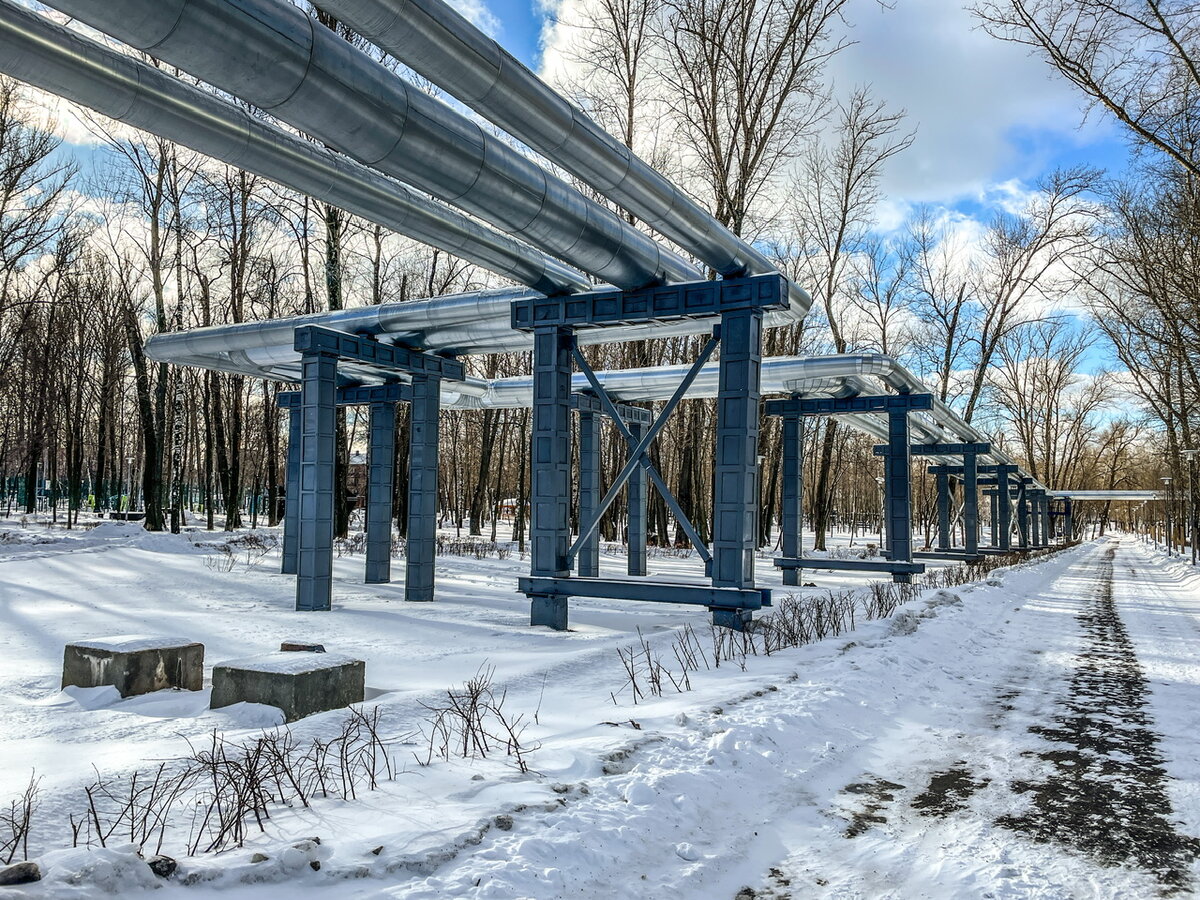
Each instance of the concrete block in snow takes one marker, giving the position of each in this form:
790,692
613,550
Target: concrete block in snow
135,664
300,684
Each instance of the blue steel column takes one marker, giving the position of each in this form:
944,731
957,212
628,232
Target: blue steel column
636,500
942,479
1035,518
735,498
995,510
1004,505
291,498
588,559
1068,521
792,492
550,455
318,395
381,463
1022,515
1047,521
970,488
898,493
421,555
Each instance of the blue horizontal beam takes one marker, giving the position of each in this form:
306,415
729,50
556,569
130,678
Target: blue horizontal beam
833,406
669,301
633,415
958,470
355,396
940,449
953,555
648,591
848,565
359,349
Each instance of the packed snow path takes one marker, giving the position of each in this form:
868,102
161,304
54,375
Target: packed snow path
1035,741
1030,737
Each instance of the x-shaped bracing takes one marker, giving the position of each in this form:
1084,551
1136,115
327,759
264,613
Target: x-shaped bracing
639,450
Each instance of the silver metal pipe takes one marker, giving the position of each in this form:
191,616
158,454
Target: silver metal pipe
41,53
435,41
1129,496
274,56
779,375
457,324
479,323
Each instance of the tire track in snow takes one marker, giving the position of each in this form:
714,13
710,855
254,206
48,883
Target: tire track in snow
1062,689
1106,793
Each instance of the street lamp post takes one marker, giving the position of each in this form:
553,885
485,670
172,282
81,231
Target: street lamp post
1166,480
1191,529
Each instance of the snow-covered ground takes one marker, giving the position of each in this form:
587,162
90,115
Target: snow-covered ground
1032,736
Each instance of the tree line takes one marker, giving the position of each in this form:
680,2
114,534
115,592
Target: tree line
1000,320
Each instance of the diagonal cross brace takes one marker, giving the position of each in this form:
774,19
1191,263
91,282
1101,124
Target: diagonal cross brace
638,450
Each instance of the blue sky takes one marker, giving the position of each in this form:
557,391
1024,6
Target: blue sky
520,26
985,112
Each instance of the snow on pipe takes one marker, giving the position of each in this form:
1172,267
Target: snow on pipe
274,56
41,53
438,43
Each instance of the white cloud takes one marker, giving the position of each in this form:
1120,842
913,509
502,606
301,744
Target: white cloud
969,96
477,13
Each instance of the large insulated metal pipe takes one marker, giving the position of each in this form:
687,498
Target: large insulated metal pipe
444,47
458,324
815,376
274,56
41,53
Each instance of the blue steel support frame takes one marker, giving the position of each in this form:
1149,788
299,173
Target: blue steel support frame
968,474
318,435
636,498
372,395
381,465
422,488
942,481
792,491
740,303
735,497
587,563
291,499
1068,520
550,531
897,477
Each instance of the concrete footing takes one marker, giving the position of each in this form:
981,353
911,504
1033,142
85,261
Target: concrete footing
134,664
300,684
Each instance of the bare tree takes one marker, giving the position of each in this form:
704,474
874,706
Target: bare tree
744,85
1024,264
836,196
881,298
1038,391
942,283
1137,59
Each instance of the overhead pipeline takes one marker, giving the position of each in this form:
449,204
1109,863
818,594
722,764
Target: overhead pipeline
277,58
437,42
63,62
